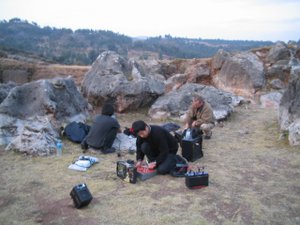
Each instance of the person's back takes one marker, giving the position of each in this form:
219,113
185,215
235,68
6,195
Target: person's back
102,126
103,131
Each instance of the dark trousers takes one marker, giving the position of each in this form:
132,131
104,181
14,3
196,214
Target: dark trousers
107,143
110,137
166,166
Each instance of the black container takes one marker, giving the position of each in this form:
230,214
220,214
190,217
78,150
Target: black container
192,150
81,195
196,180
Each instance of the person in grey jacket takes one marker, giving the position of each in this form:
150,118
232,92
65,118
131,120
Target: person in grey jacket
103,131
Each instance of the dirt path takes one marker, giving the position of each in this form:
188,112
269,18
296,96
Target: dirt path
254,179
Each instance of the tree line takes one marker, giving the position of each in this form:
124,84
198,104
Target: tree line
82,46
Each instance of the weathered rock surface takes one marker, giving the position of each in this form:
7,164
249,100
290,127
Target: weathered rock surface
271,100
5,89
242,74
33,136
31,114
57,98
176,103
278,52
289,111
112,78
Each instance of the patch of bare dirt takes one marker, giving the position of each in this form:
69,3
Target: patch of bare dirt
254,179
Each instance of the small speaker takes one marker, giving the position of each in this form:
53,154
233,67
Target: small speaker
81,195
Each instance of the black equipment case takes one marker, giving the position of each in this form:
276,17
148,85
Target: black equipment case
194,180
81,195
192,149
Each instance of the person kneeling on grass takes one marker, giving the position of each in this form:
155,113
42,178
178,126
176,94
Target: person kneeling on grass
103,131
157,144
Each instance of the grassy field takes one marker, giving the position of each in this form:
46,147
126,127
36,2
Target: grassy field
254,179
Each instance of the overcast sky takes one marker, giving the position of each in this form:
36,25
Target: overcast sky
225,19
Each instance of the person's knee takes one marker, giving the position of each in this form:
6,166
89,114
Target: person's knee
167,165
162,170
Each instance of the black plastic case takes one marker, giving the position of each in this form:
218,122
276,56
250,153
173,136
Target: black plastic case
192,150
81,195
194,180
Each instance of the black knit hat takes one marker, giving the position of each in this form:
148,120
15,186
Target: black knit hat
108,109
138,126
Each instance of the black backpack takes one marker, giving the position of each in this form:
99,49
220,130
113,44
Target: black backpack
76,131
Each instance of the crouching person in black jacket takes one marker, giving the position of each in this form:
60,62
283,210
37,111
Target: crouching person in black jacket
157,144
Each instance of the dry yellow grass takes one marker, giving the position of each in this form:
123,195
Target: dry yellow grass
254,179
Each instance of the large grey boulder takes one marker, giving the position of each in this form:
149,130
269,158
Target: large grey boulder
198,71
219,58
271,100
5,89
188,71
57,98
176,103
33,136
279,51
175,82
242,74
113,78
278,71
32,114
289,111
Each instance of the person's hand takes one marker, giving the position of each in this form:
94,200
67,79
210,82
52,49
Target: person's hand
152,165
195,124
138,163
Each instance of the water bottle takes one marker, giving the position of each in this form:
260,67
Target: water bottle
188,135
59,146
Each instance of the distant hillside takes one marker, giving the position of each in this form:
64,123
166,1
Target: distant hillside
82,46
60,45
194,48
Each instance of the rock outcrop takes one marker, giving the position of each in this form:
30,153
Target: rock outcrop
112,78
271,100
289,112
242,73
5,89
176,103
278,52
31,114
57,98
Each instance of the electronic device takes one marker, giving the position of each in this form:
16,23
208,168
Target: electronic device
81,195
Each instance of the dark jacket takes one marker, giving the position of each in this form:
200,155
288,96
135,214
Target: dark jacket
161,143
101,126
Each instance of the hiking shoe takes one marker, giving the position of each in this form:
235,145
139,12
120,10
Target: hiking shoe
84,145
207,137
